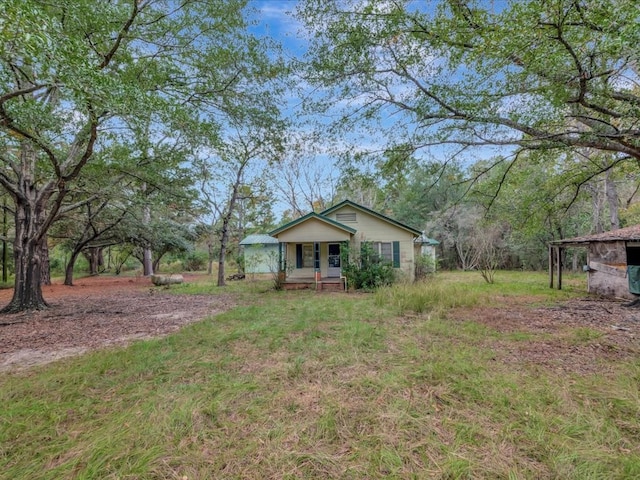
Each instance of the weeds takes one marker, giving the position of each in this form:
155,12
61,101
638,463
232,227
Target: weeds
301,385
425,297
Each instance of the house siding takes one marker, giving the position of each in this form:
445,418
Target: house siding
261,258
314,230
373,229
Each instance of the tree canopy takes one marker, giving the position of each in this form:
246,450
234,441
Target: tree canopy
79,77
532,74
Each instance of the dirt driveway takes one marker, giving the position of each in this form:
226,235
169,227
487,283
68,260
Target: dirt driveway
98,312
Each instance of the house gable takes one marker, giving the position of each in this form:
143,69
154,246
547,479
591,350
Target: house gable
389,238
364,219
313,228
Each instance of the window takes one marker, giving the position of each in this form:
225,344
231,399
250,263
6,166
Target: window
307,255
384,251
346,217
304,255
387,252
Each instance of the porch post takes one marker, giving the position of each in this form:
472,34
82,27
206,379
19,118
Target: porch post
282,267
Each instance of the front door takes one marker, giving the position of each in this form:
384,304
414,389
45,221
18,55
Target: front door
333,257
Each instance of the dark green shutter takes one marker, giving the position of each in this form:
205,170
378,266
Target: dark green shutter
298,255
396,254
316,255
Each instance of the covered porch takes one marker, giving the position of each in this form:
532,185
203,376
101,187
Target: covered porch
310,252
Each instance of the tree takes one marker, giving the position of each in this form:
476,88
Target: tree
303,180
72,72
90,224
554,75
158,238
241,160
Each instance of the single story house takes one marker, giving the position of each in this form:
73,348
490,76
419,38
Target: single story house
613,261
310,245
260,254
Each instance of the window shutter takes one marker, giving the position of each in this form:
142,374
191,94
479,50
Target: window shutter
396,254
316,256
298,255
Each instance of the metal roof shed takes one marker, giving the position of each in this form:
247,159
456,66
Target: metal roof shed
613,261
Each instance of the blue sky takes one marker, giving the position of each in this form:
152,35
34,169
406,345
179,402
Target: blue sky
274,19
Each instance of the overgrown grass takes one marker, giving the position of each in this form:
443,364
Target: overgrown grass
305,385
447,290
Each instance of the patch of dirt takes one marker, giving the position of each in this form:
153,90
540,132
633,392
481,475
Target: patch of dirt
98,312
580,336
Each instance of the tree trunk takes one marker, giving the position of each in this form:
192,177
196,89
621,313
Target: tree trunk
611,193
223,250
32,220
4,241
68,271
45,270
597,206
226,220
27,251
147,261
147,255
94,256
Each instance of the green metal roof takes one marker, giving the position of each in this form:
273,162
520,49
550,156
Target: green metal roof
258,239
309,216
426,240
372,212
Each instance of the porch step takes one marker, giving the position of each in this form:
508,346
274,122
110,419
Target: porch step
330,286
321,286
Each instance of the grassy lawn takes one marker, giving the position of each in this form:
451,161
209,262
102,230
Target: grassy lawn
302,385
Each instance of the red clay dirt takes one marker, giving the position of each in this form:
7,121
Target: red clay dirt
98,312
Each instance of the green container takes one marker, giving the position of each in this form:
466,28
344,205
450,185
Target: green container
633,273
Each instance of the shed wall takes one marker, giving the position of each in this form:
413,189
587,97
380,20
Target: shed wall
261,258
608,269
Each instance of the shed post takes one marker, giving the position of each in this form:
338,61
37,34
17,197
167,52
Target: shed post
550,266
559,267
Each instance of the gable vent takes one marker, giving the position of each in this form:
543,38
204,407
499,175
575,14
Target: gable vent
346,217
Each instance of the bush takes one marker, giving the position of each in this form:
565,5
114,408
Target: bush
365,270
194,261
425,266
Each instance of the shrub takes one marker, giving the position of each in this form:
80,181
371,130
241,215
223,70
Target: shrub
365,270
194,261
425,266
